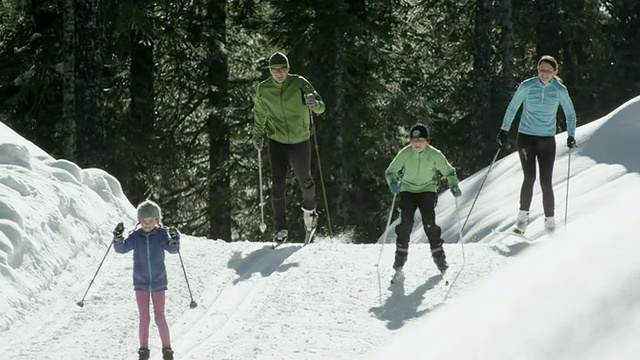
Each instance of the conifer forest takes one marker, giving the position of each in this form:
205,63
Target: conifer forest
160,93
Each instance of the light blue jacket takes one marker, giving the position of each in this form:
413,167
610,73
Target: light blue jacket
540,108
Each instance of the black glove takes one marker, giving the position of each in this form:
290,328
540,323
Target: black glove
310,99
117,233
174,236
571,142
501,138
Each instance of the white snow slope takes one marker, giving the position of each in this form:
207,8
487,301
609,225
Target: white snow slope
572,295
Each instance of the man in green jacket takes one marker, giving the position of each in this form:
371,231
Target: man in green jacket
413,174
281,110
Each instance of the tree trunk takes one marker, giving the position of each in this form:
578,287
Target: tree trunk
337,133
68,88
507,47
141,76
481,117
575,41
548,36
89,95
219,152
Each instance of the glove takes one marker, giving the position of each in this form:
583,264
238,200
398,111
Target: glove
501,138
257,143
456,191
174,236
310,99
395,187
571,142
117,233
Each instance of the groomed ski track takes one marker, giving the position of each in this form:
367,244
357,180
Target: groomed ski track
213,328
246,292
247,318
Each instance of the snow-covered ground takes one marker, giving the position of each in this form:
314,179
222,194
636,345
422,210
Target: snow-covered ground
573,295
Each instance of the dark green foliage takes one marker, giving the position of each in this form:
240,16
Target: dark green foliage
173,122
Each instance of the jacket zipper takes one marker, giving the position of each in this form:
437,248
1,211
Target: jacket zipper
286,123
149,264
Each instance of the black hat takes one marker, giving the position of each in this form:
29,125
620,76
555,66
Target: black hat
278,60
419,131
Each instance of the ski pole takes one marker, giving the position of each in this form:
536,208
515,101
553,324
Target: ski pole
81,302
324,191
464,261
386,229
384,240
481,185
460,232
193,304
566,201
263,226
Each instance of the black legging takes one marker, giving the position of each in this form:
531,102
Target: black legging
298,156
542,148
409,202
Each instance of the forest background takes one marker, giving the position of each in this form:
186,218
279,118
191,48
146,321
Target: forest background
159,93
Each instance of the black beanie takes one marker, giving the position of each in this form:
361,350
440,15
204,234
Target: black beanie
419,131
278,60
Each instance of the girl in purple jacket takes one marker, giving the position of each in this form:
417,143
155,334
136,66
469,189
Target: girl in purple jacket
149,242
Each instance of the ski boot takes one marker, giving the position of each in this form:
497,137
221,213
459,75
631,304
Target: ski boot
402,253
522,222
143,354
398,264
167,353
281,237
398,276
550,224
310,218
440,259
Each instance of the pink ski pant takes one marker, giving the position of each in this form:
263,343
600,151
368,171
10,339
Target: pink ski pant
158,299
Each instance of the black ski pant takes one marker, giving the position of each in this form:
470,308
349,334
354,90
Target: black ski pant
542,149
298,156
409,202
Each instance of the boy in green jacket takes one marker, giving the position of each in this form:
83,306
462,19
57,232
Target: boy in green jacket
281,112
412,174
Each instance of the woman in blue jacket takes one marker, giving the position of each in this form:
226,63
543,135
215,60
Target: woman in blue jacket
149,243
540,97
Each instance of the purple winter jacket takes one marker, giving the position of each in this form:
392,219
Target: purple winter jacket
149,272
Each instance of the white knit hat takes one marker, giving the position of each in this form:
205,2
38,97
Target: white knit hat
149,209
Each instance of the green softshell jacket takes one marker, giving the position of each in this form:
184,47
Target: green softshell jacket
280,111
419,170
